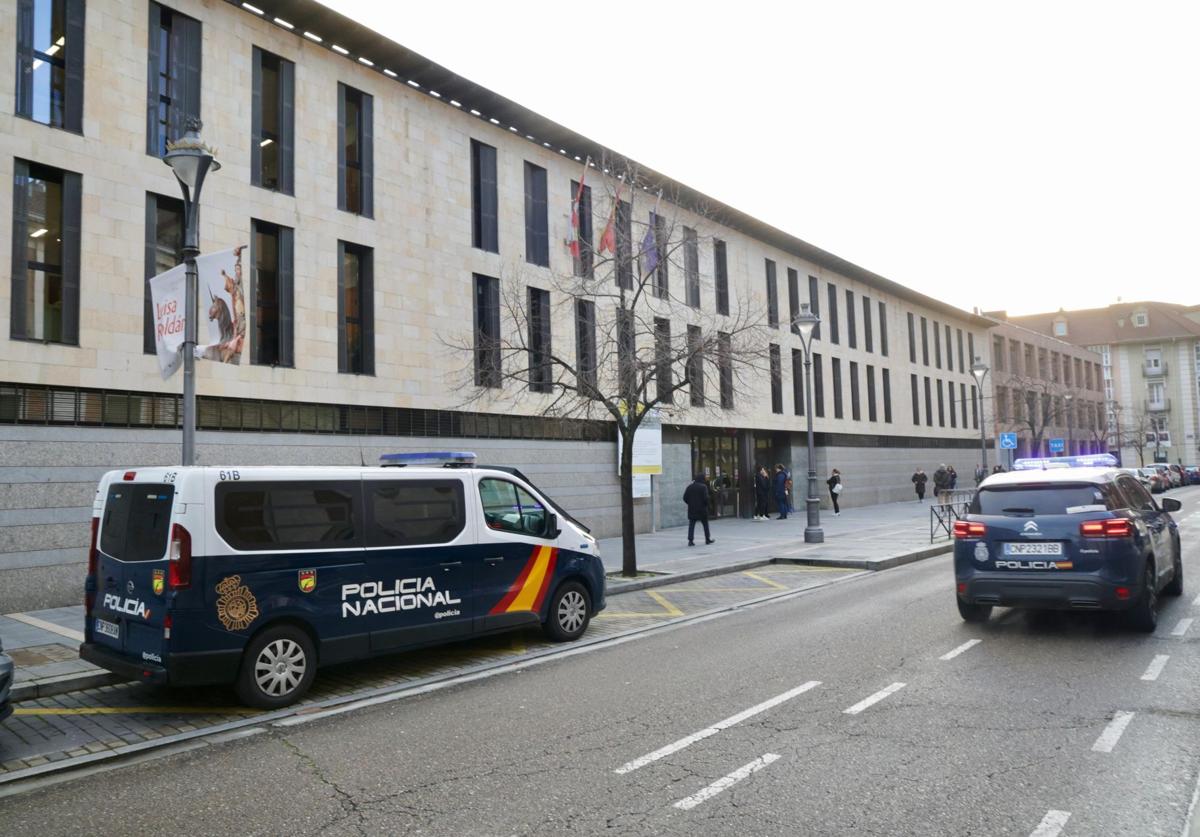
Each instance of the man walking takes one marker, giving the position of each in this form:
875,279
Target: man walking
781,498
835,490
941,480
696,497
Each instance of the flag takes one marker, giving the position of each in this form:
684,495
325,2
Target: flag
608,241
573,236
650,240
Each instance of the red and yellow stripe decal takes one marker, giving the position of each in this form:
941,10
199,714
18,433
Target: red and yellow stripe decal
529,590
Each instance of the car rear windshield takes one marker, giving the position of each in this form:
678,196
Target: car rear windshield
137,519
1026,500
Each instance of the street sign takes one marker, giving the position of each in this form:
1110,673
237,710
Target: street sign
1008,441
1057,445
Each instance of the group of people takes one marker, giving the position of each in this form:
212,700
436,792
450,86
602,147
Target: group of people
696,497
945,478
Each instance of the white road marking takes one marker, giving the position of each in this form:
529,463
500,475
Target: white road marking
970,643
1112,733
1051,824
1191,811
1156,666
46,626
726,782
1181,627
1196,601
715,728
873,699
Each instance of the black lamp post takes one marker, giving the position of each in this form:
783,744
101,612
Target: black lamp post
980,370
191,159
1069,398
805,322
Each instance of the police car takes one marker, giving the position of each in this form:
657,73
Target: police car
1069,533
258,575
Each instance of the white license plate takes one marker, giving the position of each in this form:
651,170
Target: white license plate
108,629
1038,548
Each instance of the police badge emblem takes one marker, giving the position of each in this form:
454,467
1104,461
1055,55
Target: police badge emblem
307,579
156,583
236,606
981,552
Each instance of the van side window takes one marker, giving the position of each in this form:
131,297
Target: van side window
509,508
289,515
412,512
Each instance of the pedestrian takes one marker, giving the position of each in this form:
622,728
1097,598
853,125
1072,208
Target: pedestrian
980,474
951,478
941,478
918,480
997,469
762,488
781,499
696,497
835,490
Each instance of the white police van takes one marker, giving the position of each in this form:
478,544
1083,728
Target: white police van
258,575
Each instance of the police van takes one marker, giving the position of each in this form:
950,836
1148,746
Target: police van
258,575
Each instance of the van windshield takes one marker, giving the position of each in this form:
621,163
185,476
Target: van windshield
137,520
1052,498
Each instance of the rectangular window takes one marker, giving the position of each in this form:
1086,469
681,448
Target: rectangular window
272,122
971,347
50,62
941,403
725,366
855,407
793,298
814,304
950,394
662,287
924,341
974,408
541,371
835,375
833,313
872,413
47,206
937,344
916,401
271,284
868,342
356,155
695,365
912,340
172,77
413,512
798,382
356,310
289,515
818,387
691,266
585,262
883,331
887,395
487,331
485,233
772,295
164,250
950,352
851,324
721,277
962,389
585,346
776,380
928,403
664,384
624,217
537,219
962,365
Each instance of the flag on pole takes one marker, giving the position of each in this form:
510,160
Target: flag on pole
608,241
650,240
573,237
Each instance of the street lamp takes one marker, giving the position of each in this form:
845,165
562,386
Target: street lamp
1069,397
980,370
191,159
804,323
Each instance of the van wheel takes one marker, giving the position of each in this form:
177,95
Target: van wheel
570,612
1175,588
1143,616
973,613
277,668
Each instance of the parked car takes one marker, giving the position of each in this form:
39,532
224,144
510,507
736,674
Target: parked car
1137,474
1167,474
1158,482
1192,472
1177,475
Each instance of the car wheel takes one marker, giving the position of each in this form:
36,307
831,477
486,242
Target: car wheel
570,612
1143,616
973,613
1175,588
278,666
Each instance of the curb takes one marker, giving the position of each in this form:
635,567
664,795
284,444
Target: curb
63,683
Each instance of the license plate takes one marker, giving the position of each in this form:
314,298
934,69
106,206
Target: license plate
108,629
1039,548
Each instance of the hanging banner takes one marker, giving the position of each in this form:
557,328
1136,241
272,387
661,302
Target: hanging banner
647,452
167,293
222,306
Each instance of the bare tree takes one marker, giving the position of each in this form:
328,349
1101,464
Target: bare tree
643,339
1036,405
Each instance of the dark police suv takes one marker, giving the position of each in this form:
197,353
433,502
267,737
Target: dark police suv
1071,533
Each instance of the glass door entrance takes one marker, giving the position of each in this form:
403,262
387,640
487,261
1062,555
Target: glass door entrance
716,456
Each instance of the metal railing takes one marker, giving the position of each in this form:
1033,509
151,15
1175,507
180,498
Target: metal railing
948,507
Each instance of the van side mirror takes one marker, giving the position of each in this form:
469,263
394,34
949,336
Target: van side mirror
1170,504
552,530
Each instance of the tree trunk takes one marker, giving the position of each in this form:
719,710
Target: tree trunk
628,544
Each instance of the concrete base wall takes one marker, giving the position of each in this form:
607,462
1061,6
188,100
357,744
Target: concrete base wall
882,475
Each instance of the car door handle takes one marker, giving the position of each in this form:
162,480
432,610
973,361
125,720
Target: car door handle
493,561
450,564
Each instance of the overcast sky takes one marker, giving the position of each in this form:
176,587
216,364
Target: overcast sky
1023,156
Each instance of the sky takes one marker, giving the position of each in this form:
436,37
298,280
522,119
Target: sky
1024,156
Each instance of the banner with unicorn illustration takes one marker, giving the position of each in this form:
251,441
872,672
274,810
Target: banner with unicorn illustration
222,306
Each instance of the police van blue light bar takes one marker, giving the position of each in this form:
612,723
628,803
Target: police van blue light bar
1093,460
440,458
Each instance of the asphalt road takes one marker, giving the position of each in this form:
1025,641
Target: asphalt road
845,710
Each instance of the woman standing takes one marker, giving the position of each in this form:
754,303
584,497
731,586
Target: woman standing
762,487
918,480
835,489
781,478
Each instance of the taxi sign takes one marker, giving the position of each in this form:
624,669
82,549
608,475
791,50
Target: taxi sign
1095,460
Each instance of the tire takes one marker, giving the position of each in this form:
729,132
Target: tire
1143,616
569,614
973,613
1175,588
278,666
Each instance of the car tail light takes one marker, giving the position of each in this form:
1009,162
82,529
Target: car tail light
1123,593
89,596
962,588
179,575
1117,527
969,529
92,558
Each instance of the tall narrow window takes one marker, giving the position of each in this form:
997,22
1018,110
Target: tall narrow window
776,380
624,217
487,331
814,304
883,331
586,259
961,365
537,219
725,368
662,287
485,233
835,377
912,340
950,394
793,298
164,250
937,344
887,395
50,62
928,403
721,277
798,382
818,386
832,315
962,389
664,385
772,296
172,78
691,266
585,346
851,326
924,341
916,401
974,408
868,343
941,398
540,370
872,413
271,285
971,347
949,351
356,156
695,365
356,310
45,254
855,407
272,122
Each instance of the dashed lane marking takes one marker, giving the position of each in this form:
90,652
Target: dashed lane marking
868,702
770,582
1112,733
1181,627
1196,602
970,643
689,740
135,710
670,609
726,782
46,626
1052,824
1156,666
